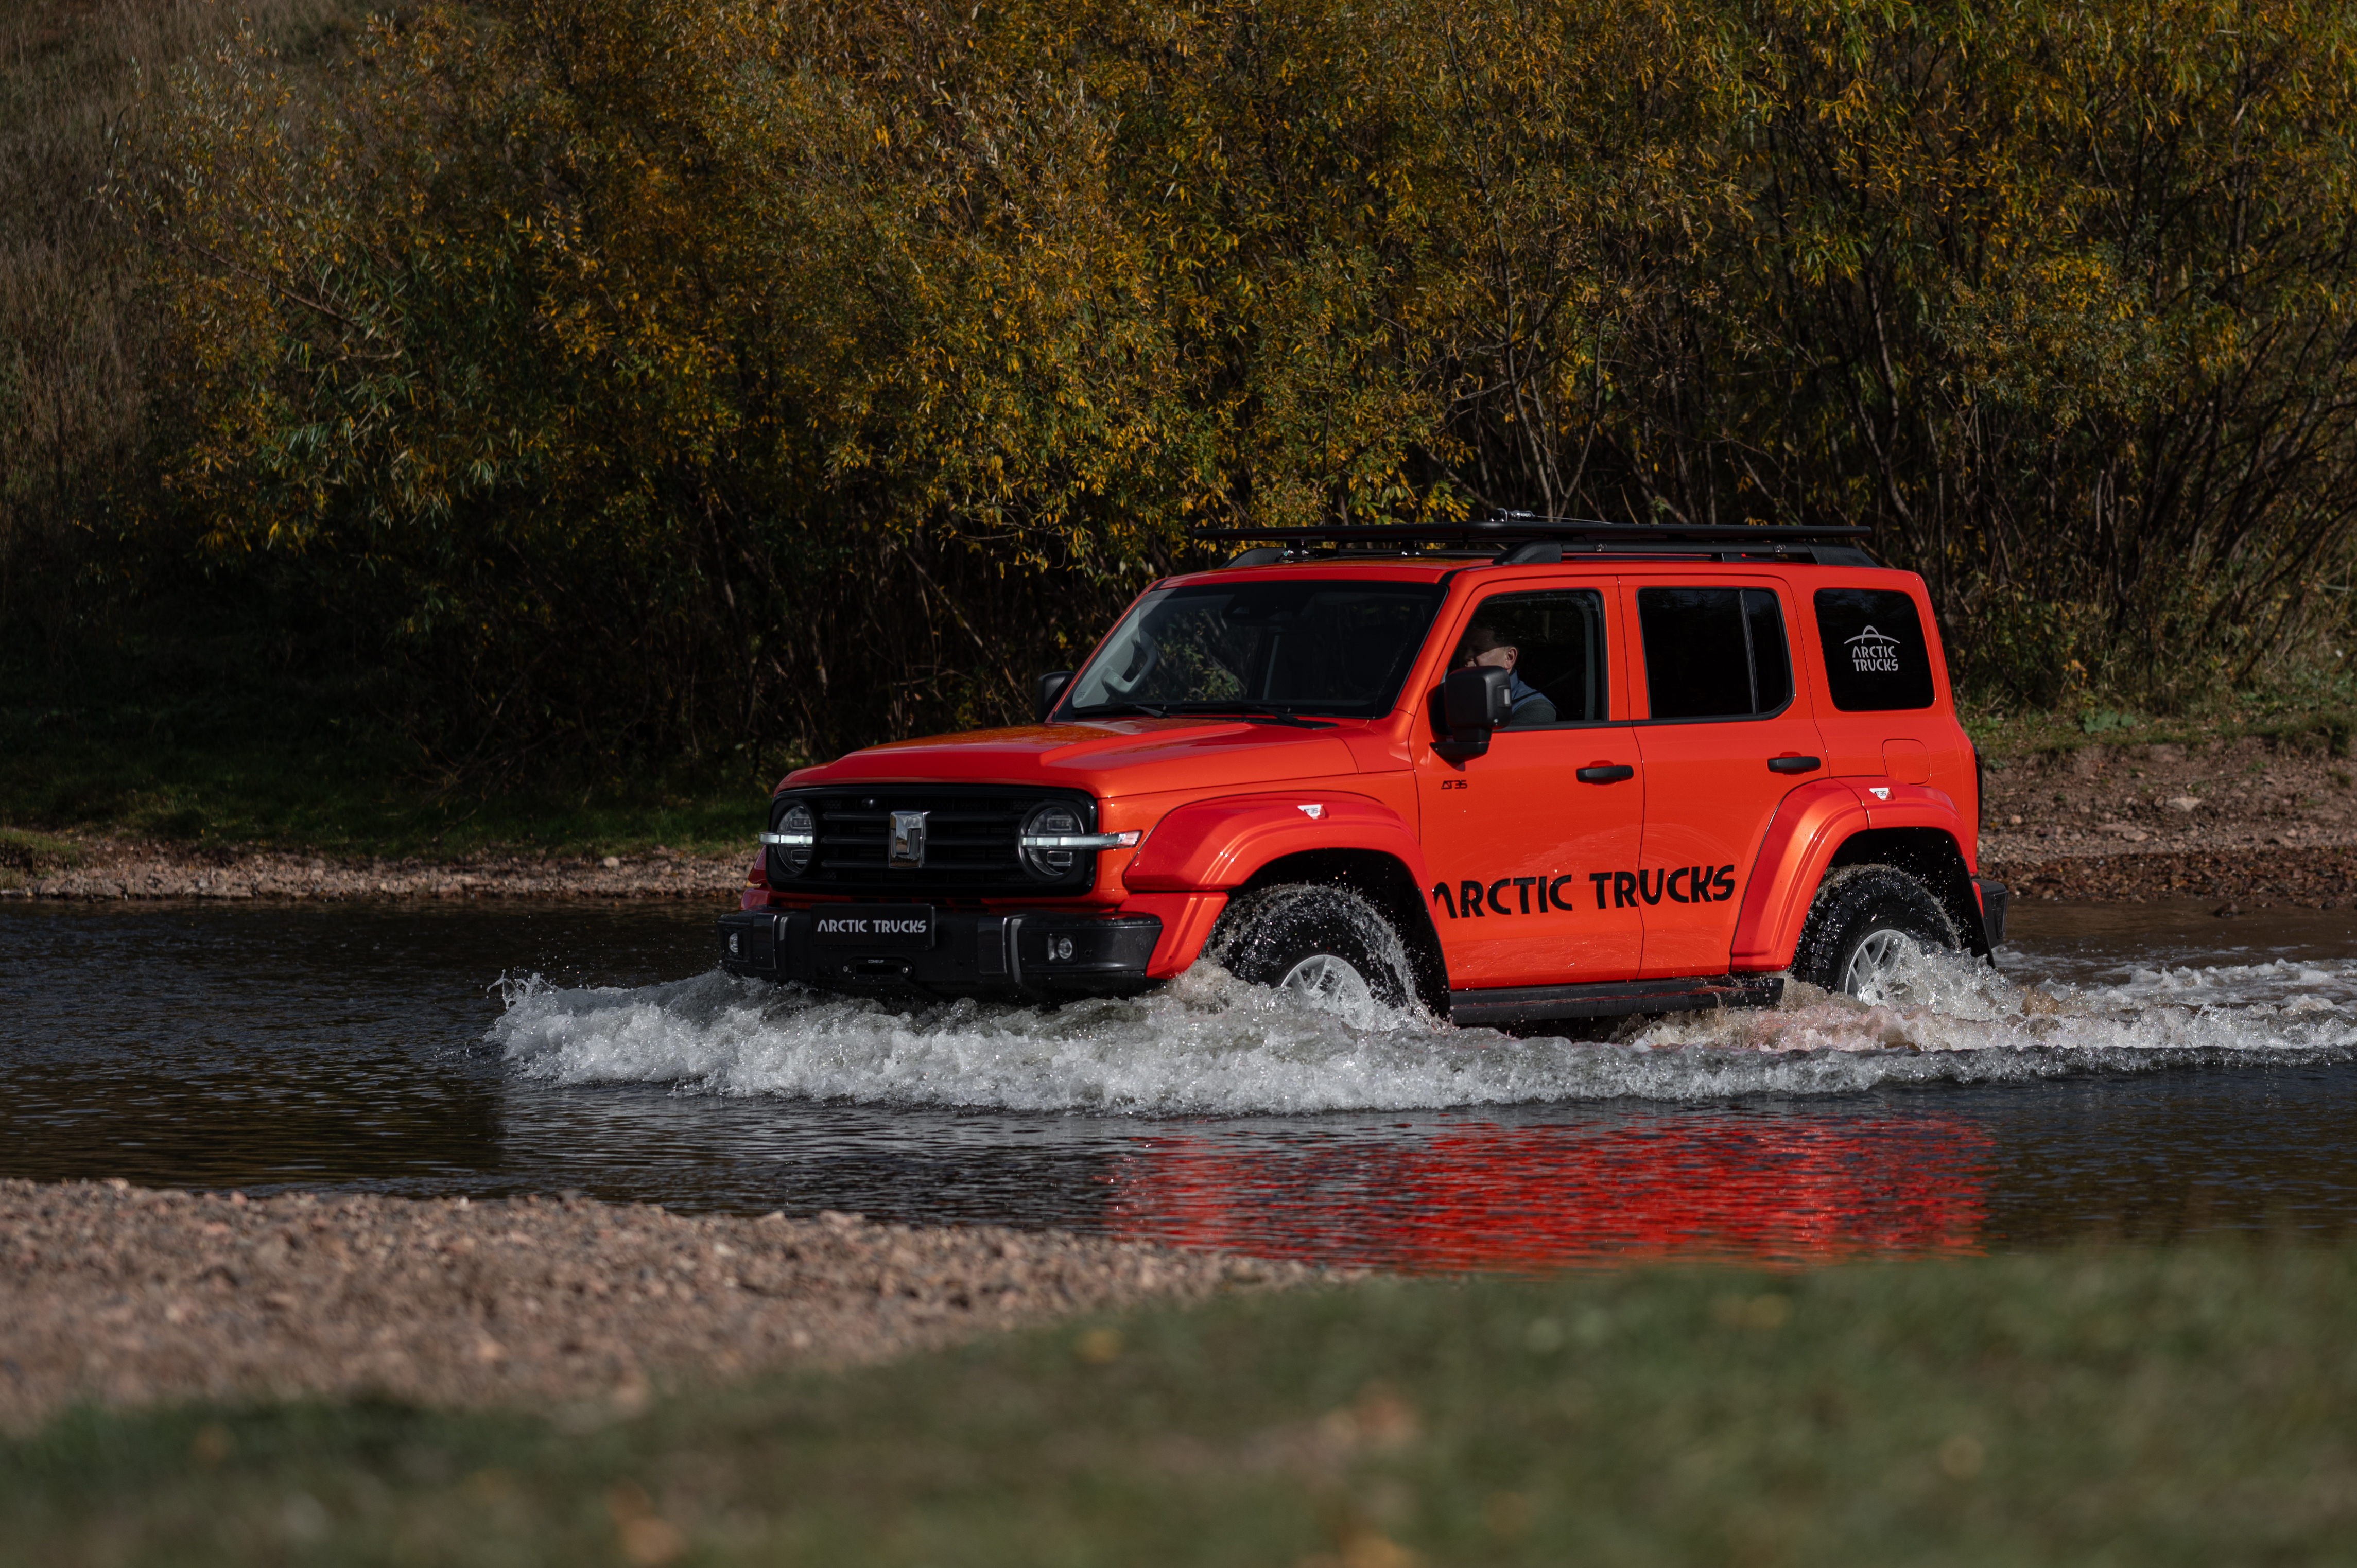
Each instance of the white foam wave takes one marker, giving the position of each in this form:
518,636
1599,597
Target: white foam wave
1207,1044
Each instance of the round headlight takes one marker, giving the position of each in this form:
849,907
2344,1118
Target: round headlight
1053,822
795,842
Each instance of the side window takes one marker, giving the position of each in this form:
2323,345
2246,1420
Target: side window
1553,644
1771,661
1714,653
1877,657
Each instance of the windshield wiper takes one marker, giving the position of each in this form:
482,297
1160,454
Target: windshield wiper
1098,710
1256,712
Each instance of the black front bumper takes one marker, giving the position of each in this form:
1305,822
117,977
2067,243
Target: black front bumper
1035,953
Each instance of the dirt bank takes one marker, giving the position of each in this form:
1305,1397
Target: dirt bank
2248,822
104,868
2231,880
126,1296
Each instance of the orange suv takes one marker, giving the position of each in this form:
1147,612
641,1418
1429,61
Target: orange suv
1517,770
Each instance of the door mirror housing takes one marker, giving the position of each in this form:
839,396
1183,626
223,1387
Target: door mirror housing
1049,687
1474,703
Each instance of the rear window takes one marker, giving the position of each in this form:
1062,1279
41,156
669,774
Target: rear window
1877,657
1714,653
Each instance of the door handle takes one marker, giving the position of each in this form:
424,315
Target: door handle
1606,773
1795,764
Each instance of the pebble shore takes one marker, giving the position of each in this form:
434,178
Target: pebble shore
125,1295
116,869
2241,824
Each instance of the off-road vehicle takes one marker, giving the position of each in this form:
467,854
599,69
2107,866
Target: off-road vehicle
1515,771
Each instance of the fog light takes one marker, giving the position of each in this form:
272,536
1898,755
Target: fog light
1059,949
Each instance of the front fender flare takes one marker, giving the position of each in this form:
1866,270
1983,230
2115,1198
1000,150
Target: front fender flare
1808,831
1220,844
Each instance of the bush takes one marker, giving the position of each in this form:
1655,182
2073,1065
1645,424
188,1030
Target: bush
637,377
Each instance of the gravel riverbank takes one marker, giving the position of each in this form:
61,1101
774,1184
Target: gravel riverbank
108,869
2246,823
126,1296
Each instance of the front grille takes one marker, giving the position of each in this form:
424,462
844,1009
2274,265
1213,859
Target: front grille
969,833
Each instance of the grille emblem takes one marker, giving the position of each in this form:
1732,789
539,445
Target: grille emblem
907,841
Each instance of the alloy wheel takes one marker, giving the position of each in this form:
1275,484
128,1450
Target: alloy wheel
1326,981
1875,964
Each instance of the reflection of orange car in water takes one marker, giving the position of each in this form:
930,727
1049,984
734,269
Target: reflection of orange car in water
1533,1198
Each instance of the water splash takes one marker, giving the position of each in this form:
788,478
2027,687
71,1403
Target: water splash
1207,1044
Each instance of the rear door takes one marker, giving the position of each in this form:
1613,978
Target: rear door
1524,840
1724,733
1885,717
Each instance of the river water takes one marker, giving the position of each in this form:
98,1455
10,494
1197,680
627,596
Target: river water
2142,1072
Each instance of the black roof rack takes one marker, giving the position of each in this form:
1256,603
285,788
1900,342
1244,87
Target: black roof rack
1524,536
1499,526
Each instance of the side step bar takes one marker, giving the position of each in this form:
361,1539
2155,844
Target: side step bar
1612,998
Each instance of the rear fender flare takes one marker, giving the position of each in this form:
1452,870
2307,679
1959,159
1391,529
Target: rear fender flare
1814,830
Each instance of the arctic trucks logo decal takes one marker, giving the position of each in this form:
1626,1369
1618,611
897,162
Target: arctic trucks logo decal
871,926
1472,899
1874,652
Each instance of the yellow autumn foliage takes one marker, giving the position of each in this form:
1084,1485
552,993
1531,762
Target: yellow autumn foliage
656,372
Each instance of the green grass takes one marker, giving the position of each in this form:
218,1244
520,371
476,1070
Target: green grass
25,856
23,851
2129,1406
2003,732
199,740
288,796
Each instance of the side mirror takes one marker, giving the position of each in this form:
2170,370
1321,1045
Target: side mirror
1474,702
1049,687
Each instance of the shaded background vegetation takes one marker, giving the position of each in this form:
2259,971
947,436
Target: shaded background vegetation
540,386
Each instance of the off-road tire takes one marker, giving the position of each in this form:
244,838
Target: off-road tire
1263,934
1854,905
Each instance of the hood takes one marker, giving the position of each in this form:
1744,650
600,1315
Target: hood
1108,758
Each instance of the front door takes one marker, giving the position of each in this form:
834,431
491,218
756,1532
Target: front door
1725,737
1524,841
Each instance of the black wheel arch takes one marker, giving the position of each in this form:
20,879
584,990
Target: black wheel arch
1932,858
1385,882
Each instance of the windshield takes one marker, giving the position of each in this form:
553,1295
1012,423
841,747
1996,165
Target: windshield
1300,644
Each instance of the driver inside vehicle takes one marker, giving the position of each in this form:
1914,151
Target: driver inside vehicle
1479,647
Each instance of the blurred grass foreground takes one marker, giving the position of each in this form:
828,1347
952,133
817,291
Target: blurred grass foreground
2148,1406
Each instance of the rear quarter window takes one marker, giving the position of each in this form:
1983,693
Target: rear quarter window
1877,657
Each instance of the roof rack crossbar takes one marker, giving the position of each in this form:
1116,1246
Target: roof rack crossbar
1515,527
